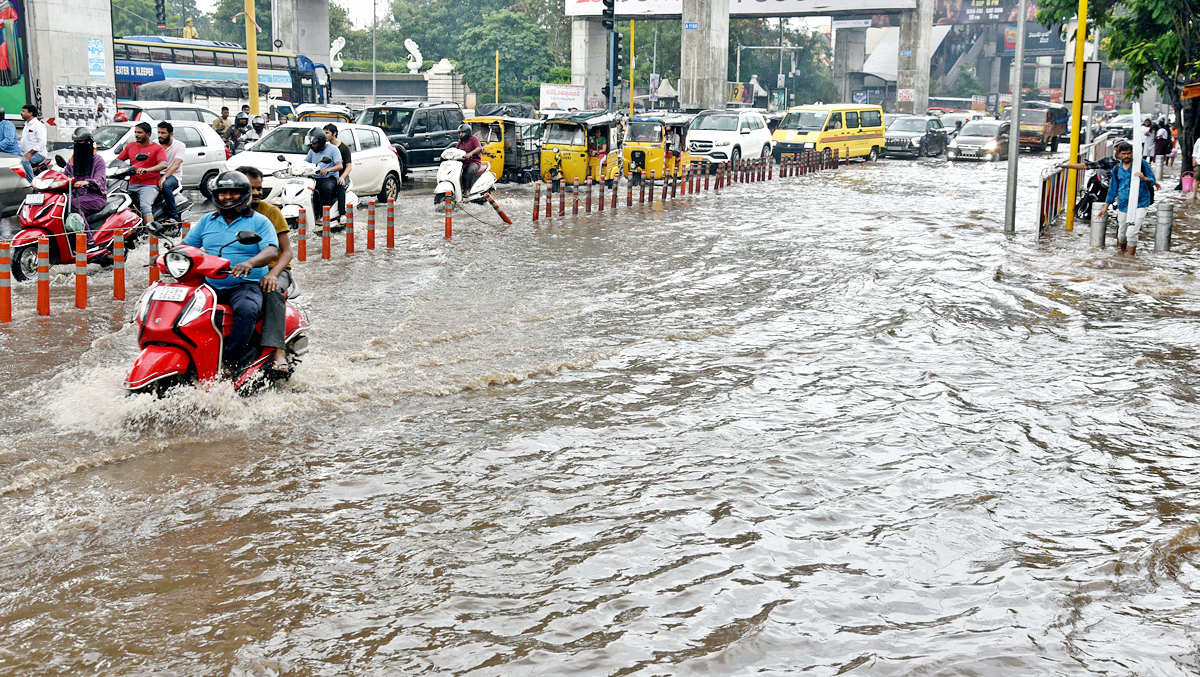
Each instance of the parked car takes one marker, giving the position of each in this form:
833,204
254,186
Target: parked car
980,140
723,135
153,111
951,120
376,164
418,130
1121,125
205,151
13,188
916,135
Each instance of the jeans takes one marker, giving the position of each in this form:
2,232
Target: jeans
168,192
145,196
28,165
323,194
246,301
275,313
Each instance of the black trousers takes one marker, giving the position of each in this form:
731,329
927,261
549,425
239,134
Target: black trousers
275,313
324,193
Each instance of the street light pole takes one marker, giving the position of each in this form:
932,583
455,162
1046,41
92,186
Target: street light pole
374,23
1014,124
251,55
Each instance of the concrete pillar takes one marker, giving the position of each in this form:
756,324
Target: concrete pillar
997,70
849,54
57,33
302,26
704,58
589,58
1042,76
916,50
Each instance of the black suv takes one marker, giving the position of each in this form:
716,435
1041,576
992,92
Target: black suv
916,135
419,130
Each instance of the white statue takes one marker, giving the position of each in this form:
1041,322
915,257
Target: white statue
335,52
414,55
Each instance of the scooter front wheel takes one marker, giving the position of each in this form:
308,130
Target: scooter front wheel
24,262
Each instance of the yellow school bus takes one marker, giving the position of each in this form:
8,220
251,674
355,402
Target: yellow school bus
854,130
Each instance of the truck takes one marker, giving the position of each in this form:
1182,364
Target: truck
1042,124
210,94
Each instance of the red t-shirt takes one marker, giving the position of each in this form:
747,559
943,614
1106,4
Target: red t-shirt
469,145
154,155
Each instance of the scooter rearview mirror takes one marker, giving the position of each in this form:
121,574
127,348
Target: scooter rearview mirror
58,160
141,157
248,237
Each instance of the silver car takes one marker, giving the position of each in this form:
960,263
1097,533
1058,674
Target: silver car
13,188
202,160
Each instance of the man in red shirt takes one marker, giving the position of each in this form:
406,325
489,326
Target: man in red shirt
471,165
149,159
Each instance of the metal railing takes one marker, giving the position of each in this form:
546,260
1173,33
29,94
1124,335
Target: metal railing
1052,200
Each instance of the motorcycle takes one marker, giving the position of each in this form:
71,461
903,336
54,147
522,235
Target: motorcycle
1097,191
182,328
295,193
449,178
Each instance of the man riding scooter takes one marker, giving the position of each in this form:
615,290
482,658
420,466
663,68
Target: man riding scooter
329,164
241,290
471,164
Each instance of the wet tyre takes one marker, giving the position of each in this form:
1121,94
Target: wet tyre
737,154
207,184
24,262
390,190
766,151
874,156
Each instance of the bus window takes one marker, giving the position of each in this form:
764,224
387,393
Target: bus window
139,53
226,58
280,62
264,62
239,59
184,56
205,58
118,51
292,63
161,54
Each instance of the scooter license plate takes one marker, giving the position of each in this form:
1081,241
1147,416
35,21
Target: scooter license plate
170,293
35,199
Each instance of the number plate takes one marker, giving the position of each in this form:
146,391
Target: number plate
35,199
170,293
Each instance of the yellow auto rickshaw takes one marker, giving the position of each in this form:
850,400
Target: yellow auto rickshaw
655,144
511,146
581,146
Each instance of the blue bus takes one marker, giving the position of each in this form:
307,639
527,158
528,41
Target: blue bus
147,58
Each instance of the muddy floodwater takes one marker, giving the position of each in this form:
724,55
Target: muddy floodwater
830,425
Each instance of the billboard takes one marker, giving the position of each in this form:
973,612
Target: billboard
949,12
636,8
562,97
1038,39
13,61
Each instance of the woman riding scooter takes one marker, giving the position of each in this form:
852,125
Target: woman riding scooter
89,190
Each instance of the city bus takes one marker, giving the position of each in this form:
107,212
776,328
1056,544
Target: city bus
146,58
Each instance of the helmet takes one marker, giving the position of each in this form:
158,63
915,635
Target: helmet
258,121
120,117
237,181
81,134
464,128
242,119
317,140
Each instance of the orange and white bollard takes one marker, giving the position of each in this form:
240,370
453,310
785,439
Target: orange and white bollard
153,259
43,276
642,189
349,228
549,201
600,205
185,229
119,266
503,216
391,223
80,270
5,282
588,205
771,169
537,199
302,237
371,224
449,205
325,234
575,198
562,198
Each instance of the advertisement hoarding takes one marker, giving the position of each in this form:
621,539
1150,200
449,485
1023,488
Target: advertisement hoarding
636,8
562,97
949,12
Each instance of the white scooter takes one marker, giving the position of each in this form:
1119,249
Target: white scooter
449,180
295,193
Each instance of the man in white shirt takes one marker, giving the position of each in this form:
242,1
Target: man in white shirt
170,176
33,140
1148,140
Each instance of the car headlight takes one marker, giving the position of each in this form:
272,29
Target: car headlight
990,145
915,141
953,143
718,144
810,145
178,263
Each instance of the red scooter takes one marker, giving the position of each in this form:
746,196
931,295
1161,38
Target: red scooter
182,328
43,213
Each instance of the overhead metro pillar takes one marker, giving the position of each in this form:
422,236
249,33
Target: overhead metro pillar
916,51
704,58
849,55
301,27
589,58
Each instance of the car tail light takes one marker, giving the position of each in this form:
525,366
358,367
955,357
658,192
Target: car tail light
20,171
227,153
394,151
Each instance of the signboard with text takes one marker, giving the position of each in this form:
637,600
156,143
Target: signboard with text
636,8
562,97
950,12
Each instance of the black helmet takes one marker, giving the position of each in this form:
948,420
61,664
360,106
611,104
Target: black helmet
317,140
237,181
241,120
464,128
81,133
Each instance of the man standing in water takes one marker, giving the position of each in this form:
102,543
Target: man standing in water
1123,176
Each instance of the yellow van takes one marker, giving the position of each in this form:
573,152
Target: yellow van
856,129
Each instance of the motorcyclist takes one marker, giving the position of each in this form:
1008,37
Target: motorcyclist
471,164
258,127
89,190
329,164
235,133
248,263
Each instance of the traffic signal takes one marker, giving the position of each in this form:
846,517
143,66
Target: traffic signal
608,15
160,13
617,60
606,90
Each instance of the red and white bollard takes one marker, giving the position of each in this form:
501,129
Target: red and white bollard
119,266
537,199
325,234
43,276
600,205
5,282
449,204
391,223
588,206
503,216
371,223
575,198
153,259
80,270
349,228
302,236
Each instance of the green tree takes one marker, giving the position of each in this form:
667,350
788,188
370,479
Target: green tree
812,79
222,27
1157,40
967,85
136,17
525,58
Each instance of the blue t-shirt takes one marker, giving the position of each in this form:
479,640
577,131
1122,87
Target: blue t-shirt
8,138
330,153
212,232
1122,179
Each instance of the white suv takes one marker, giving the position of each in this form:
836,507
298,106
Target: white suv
724,135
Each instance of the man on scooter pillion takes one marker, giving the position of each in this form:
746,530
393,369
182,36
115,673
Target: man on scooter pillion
241,290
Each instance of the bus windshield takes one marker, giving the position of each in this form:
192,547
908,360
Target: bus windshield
291,140
804,120
643,132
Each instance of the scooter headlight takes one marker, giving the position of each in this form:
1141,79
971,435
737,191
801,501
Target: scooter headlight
178,263
143,304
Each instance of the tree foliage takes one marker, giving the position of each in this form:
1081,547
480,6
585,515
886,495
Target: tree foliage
524,57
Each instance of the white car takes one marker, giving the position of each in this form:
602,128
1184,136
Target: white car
174,111
201,162
376,167
723,135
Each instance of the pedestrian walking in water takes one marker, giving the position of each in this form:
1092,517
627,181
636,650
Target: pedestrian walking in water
1147,139
1123,176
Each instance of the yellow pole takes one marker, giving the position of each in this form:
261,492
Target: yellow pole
252,57
632,44
497,76
1076,112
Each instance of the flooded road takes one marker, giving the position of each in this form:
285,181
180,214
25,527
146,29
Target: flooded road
837,424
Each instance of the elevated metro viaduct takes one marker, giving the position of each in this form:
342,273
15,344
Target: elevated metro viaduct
705,43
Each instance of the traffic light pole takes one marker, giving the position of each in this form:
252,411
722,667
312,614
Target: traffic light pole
612,66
